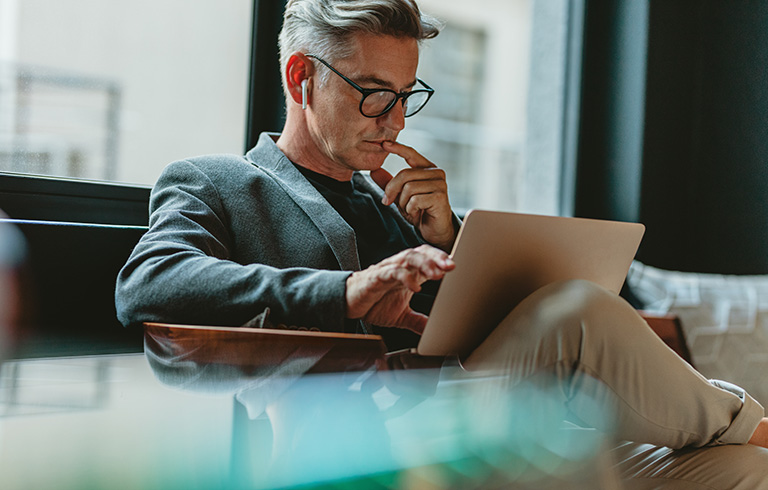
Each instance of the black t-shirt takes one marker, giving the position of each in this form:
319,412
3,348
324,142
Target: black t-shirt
378,236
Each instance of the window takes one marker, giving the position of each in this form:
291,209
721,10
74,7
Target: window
113,90
495,122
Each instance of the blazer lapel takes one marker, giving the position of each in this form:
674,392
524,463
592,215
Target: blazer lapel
340,236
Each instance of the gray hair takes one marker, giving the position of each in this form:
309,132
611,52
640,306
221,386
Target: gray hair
325,28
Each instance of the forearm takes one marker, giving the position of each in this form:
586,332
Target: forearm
186,287
195,266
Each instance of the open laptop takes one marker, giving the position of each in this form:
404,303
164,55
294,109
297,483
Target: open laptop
503,257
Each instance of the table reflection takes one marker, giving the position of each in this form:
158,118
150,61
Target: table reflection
312,420
187,415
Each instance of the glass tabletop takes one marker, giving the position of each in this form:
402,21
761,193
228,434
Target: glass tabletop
159,421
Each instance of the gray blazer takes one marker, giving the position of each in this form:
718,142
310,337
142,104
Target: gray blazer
230,236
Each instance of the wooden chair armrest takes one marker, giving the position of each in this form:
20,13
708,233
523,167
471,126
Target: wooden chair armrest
254,348
669,328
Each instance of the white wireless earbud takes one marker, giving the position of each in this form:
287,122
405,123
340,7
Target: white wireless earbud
304,94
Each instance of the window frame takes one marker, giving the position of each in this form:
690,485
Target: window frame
27,196
50,198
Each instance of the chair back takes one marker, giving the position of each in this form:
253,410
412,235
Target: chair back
69,287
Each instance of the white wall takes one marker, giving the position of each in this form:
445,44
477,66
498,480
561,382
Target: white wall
183,68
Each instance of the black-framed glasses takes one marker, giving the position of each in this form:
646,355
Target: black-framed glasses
379,101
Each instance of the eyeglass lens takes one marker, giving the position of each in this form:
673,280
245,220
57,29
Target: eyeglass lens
378,103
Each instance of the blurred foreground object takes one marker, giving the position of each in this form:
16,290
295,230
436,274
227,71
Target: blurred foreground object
12,257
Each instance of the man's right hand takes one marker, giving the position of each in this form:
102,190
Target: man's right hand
381,293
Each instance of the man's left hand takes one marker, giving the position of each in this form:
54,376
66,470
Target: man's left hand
420,193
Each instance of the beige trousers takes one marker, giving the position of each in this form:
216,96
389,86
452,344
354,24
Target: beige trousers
688,432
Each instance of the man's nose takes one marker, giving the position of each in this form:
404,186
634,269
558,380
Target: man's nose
394,118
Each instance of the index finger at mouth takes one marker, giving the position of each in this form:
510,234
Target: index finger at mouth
413,158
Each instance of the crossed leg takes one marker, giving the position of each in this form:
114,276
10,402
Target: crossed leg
599,352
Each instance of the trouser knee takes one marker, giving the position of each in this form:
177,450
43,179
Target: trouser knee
579,307
558,324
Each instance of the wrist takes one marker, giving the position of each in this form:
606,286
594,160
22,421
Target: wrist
350,294
444,243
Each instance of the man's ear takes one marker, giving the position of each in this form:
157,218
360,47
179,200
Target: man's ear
298,69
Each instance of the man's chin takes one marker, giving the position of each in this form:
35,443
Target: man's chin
369,160
373,163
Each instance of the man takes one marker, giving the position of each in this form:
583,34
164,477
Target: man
295,232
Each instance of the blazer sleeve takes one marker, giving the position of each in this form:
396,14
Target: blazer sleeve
182,270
